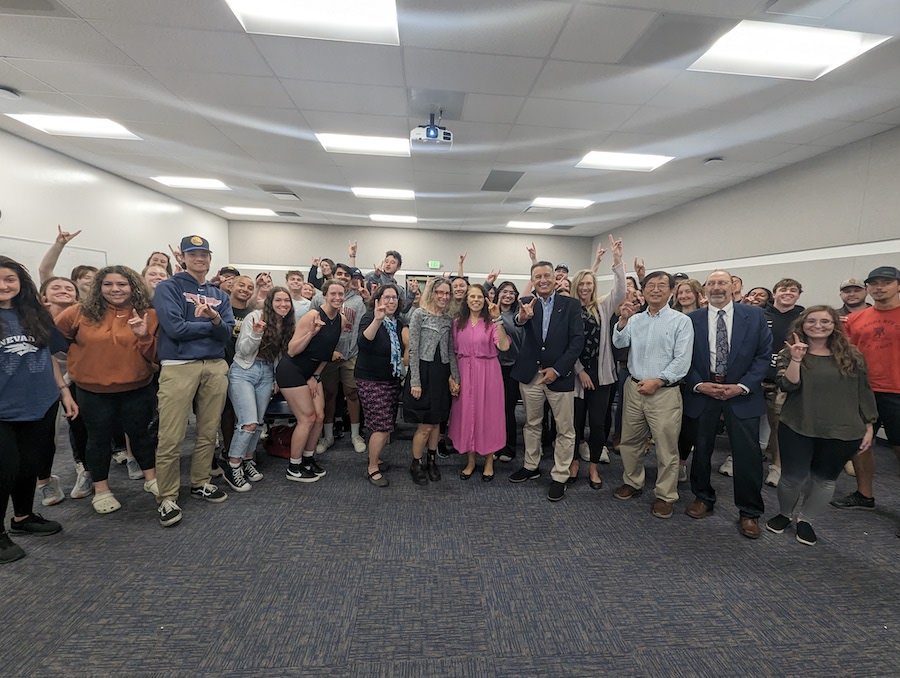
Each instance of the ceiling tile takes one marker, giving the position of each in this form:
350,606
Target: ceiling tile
327,61
357,123
891,117
124,110
600,34
10,76
851,133
225,90
578,81
491,108
30,37
574,115
45,103
724,92
203,14
334,96
99,79
470,72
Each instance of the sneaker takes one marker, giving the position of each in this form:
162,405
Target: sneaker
855,500
359,443
682,473
778,524
524,474
505,457
210,493
252,473
584,452
35,524
234,476
805,533
727,467
301,473
557,491
774,476
51,493
152,487
134,469
311,463
849,470
324,444
120,456
84,486
9,550
604,455
442,450
169,513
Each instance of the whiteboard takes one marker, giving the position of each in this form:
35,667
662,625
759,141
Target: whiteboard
30,252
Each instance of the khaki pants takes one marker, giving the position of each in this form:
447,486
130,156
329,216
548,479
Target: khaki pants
178,384
563,407
660,413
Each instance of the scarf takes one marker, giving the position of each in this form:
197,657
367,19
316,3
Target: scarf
396,353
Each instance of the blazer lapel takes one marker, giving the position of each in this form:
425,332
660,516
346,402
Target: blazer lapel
738,334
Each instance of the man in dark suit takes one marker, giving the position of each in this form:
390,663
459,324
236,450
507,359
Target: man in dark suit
554,337
732,347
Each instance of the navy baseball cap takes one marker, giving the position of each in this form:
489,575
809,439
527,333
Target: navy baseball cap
229,270
194,242
891,272
563,267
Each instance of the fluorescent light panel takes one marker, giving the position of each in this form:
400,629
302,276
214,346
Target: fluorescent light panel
362,145
628,162
532,225
395,218
192,182
250,211
384,193
775,50
74,126
562,203
372,21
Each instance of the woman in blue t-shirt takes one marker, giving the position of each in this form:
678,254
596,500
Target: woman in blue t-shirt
31,388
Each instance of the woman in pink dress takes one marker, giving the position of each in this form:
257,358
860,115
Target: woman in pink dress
477,420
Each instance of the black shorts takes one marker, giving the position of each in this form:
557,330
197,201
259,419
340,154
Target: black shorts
889,416
290,375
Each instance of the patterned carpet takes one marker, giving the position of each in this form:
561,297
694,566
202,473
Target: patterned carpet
456,579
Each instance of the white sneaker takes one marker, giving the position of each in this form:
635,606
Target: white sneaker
51,493
682,473
134,469
120,457
848,469
359,443
774,476
152,487
84,486
324,444
727,468
604,456
584,451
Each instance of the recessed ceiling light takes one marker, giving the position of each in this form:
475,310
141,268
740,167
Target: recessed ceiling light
250,211
373,21
192,182
781,51
384,193
353,143
562,203
396,218
629,162
73,126
534,225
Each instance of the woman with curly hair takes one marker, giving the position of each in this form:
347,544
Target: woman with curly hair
263,339
827,418
31,387
112,360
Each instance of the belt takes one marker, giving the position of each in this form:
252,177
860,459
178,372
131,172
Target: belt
638,381
718,378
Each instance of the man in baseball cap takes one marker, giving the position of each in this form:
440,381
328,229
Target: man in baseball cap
853,294
562,271
189,243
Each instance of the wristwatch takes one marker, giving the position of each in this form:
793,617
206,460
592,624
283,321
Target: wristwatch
317,377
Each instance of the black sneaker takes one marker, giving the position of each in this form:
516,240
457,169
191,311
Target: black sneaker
35,524
442,449
778,524
169,513
210,493
311,463
855,500
251,473
805,533
301,473
235,477
557,491
524,474
9,550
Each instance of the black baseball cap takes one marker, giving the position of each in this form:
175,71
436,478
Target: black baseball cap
356,273
680,276
229,270
891,272
564,267
194,242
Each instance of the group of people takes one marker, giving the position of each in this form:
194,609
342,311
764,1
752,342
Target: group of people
127,356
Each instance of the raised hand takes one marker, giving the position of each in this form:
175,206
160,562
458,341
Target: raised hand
352,246
258,326
615,247
317,325
462,258
532,252
598,256
798,348
376,268
362,289
380,309
493,310
526,311
138,324
626,310
316,260
63,237
640,268
492,277
177,254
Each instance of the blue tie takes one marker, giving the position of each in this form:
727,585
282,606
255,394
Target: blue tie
721,345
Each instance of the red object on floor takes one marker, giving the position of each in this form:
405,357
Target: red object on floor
278,442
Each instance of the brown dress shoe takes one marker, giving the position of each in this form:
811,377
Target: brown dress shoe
698,509
749,527
626,492
663,509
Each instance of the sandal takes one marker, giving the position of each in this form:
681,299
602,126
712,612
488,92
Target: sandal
105,502
381,481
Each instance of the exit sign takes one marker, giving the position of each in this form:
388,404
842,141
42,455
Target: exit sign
434,264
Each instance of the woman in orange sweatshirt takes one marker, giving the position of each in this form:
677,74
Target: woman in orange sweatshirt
112,359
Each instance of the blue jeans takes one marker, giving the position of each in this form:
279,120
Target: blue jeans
250,391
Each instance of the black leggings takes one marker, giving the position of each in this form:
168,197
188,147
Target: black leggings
592,408
23,444
510,399
103,412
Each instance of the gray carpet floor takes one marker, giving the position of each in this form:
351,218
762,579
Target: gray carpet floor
339,578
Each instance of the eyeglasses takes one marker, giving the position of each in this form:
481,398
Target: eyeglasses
656,286
441,293
823,323
386,297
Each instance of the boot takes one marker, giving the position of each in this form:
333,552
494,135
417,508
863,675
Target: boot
431,467
417,471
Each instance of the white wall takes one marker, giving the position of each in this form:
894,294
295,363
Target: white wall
821,221
40,188
260,246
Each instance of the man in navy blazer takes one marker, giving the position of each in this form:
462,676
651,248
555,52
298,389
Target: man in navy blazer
732,348
545,370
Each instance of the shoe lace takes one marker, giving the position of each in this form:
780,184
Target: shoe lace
208,488
168,505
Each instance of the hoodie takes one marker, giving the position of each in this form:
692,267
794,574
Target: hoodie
183,336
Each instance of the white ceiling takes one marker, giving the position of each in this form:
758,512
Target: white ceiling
537,84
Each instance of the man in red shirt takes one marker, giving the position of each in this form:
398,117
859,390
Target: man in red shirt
875,332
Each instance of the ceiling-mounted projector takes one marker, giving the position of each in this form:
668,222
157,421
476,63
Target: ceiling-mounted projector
431,133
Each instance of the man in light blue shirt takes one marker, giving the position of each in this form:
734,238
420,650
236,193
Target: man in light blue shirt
661,341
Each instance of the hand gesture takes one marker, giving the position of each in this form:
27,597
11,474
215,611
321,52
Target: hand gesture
626,310
598,256
258,326
362,289
615,247
798,348
63,237
492,277
462,258
585,380
317,325
138,324
204,311
380,309
316,260
179,256
532,252
640,268
493,310
376,268
526,311
352,246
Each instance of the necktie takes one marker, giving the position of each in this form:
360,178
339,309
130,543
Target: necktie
721,345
